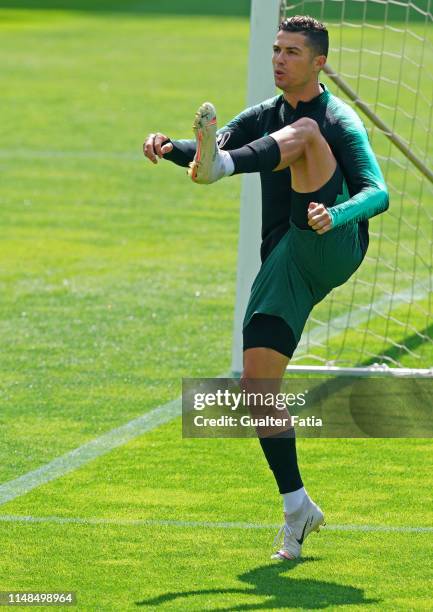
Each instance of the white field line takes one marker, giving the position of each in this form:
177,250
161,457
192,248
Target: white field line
89,451
62,520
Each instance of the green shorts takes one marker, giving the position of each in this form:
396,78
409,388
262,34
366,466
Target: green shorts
302,269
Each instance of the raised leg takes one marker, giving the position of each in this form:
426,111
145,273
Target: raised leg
305,150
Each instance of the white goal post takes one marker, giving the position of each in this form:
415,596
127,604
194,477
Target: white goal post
394,298
265,15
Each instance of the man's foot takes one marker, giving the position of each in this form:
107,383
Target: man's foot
296,528
208,164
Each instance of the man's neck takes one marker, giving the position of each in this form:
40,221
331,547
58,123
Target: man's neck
305,95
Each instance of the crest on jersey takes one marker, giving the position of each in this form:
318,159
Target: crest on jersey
222,139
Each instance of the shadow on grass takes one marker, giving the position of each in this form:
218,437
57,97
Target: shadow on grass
404,345
281,592
156,7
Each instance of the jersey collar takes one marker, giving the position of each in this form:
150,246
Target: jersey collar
319,99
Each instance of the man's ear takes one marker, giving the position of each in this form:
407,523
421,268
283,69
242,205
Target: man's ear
319,62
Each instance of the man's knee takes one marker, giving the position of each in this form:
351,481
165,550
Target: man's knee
304,130
256,362
263,363
250,372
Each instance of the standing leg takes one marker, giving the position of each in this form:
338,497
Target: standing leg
261,364
263,371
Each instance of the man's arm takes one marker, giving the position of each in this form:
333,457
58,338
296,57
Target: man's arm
238,132
362,173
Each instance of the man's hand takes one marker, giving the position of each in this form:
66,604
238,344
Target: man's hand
153,147
319,218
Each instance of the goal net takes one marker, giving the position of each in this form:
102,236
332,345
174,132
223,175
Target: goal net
380,59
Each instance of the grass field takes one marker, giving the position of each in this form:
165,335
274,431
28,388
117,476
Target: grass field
117,280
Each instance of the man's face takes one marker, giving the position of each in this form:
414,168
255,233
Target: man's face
293,61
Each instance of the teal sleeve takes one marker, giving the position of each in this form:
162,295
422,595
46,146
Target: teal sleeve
369,194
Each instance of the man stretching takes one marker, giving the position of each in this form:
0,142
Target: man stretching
320,184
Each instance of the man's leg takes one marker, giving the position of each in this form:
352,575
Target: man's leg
263,364
299,145
304,149
263,372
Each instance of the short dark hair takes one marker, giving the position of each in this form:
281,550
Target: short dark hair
314,31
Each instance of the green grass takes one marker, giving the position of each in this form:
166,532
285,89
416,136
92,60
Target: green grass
117,280
112,270
113,566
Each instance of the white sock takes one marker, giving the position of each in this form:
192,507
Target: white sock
292,501
228,164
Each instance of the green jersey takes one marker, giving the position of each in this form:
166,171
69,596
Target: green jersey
348,140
